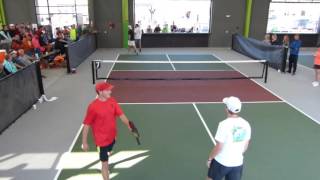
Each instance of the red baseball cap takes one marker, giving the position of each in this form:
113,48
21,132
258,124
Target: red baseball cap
101,86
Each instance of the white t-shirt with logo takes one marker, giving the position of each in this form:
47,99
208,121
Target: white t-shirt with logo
137,33
233,133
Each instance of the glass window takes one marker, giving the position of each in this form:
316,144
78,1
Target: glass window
43,19
82,2
83,10
303,18
62,10
61,2
174,16
41,3
42,10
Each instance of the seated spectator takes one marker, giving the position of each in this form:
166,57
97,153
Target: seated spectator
16,43
157,29
22,59
59,43
2,72
27,44
5,38
13,30
9,66
36,44
14,59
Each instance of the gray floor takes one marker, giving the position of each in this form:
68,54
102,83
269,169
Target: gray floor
31,147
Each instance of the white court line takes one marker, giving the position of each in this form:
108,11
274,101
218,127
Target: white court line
70,149
179,62
108,74
174,68
79,130
204,124
278,96
183,103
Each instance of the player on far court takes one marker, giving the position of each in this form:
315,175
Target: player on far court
101,117
232,137
131,41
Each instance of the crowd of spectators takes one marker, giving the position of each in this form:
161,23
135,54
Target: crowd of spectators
22,44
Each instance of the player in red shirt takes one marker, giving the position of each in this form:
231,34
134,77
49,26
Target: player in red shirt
101,117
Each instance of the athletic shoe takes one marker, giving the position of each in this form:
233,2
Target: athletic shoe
315,83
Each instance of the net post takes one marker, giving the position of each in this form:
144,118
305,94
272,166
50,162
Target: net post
93,72
266,72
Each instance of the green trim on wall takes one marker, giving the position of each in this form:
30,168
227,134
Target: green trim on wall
248,18
125,22
2,14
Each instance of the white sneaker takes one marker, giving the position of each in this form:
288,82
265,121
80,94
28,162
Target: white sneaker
315,83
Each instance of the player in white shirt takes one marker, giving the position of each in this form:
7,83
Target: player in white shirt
137,36
232,137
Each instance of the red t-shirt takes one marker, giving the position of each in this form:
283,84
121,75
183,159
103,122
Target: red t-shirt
101,116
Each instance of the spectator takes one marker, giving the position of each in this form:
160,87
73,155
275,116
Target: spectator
274,40
173,27
60,43
36,44
73,33
131,42
13,30
157,29
149,29
137,36
5,38
294,54
14,58
2,58
285,43
267,39
16,42
27,44
23,59
165,28
317,68
9,66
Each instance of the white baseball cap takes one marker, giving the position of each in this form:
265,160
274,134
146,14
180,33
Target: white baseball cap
233,104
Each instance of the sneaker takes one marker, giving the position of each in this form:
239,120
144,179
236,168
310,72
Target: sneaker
315,83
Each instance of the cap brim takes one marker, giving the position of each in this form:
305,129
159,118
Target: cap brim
225,100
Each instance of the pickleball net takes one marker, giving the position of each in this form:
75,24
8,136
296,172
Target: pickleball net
131,70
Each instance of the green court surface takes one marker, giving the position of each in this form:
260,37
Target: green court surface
175,144
152,57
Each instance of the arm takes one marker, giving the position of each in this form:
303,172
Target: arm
216,150
85,132
246,146
125,120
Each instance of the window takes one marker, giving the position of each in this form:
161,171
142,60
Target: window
294,16
60,13
185,15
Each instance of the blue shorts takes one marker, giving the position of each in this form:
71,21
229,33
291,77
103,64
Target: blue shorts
218,171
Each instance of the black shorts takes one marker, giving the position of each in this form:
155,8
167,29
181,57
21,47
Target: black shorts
316,66
103,151
217,171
